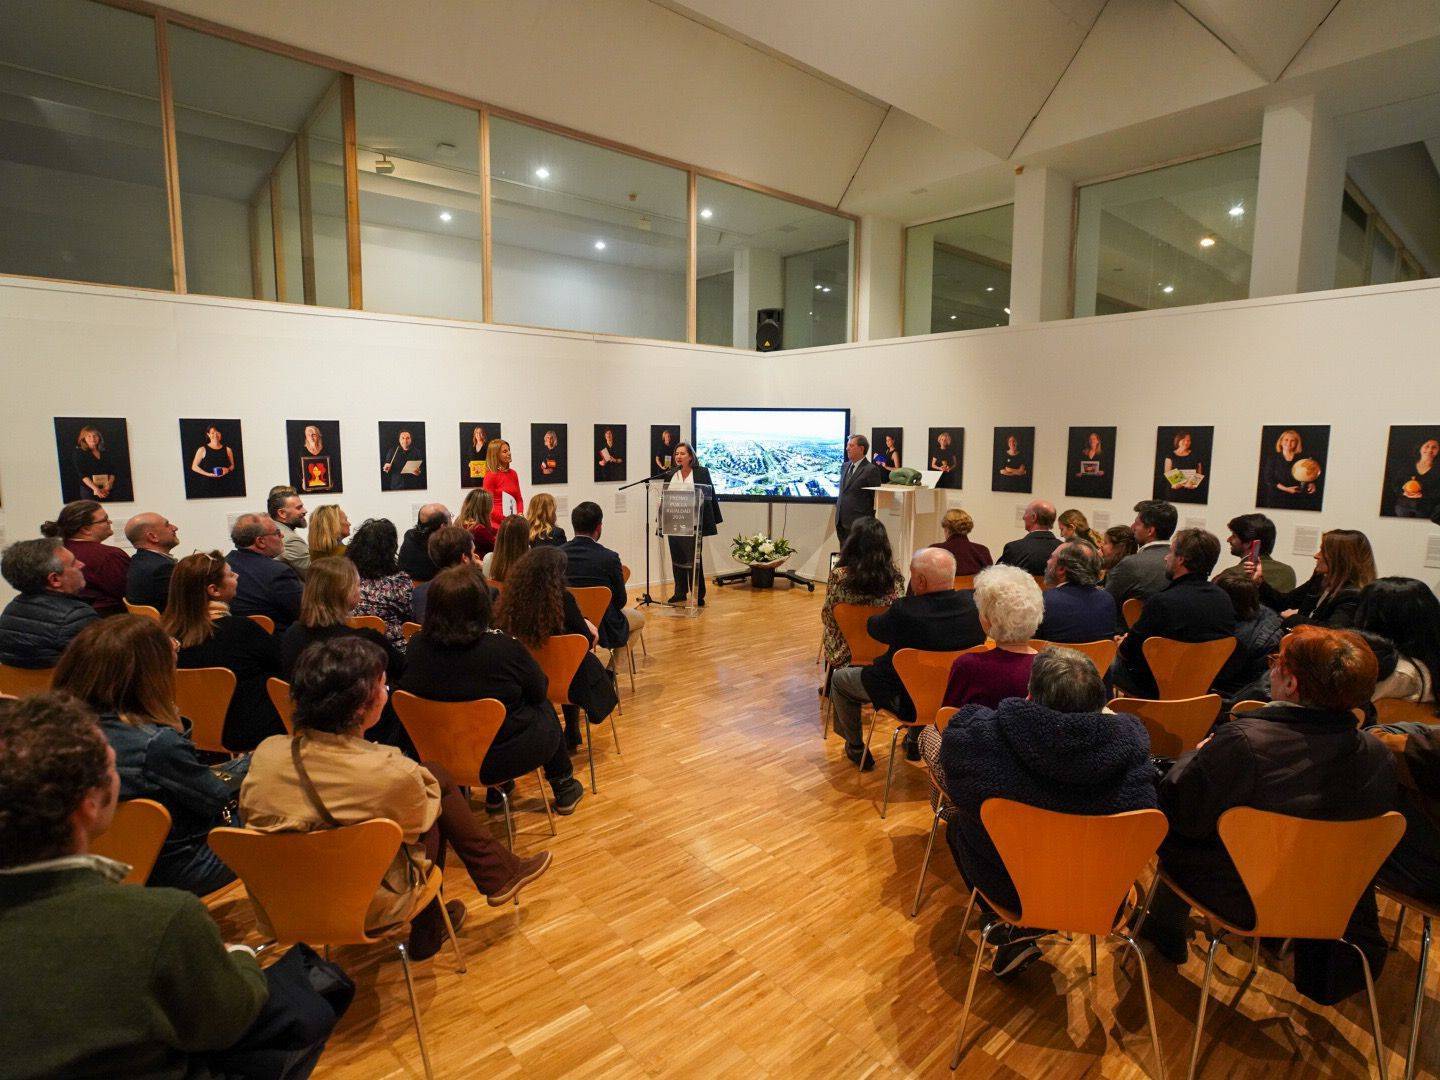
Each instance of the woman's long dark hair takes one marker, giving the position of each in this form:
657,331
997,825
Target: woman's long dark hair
457,608
373,549
532,607
869,565
1407,612
73,517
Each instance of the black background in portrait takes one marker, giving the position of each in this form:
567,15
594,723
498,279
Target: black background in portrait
660,454
1088,484
193,438
614,472
1314,443
1025,444
115,451
303,475
1400,460
549,466
1202,445
396,479
473,478
877,447
954,480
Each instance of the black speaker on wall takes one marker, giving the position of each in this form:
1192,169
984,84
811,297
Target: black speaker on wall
769,329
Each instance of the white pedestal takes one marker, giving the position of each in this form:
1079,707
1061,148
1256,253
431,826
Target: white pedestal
920,509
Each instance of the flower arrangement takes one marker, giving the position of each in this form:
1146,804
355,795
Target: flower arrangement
760,549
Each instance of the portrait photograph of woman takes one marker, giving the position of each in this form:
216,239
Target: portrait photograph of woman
1182,464
1292,466
947,456
214,459
663,440
887,446
313,451
608,453
94,457
475,436
1013,467
1412,472
549,461
402,456
1090,463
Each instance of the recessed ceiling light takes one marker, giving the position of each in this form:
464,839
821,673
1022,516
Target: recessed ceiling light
707,213
542,173
1238,210
1007,311
599,245
819,287
825,289
445,215
1207,241
1168,289
989,288
953,317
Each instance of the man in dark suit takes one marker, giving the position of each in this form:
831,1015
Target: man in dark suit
414,555
147,578
1076,608
857,474
590,564
1189,608
1143,574
1032,551
936,617
267,586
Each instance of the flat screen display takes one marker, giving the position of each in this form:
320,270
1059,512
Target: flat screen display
780,455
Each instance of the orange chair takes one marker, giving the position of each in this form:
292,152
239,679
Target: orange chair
316,887
409,629
203,695
366,622
851,620
457,735
265,622
594,601
143,609
279,691
1248,705
1185,669
625,576
22,682
1101,653
136,835
924,675
560,657
1175,727
943,810
1427,912
1131,609
1072,873
1396,711
964,581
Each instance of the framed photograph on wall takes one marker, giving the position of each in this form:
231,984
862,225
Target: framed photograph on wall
1013,462
887,447
312,448
403,465
608,453
1412,472
94,457
1182,464
1292,466
475,439
663,438
946,455
212,454
1090,462
549,454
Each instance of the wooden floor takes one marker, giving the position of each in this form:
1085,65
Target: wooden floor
731,904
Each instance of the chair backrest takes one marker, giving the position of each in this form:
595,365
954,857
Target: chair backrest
315,887
1174,726
1305,877
924,675
366,622
265,622
143,609
1131,609
454,734
135,836
279,691
1396,711
942,717
593,601
1184,669
409,629
203,695
560,657
852,619
1101,653
1248,705
624,573
1071,871
1040,581
22,682
964,581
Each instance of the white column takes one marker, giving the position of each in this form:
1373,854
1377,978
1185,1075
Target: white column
919,285
759,283
1040,263
1297,209
882,244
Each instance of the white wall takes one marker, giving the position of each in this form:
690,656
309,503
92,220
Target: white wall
536,287
1359,360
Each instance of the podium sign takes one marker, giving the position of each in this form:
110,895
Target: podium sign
679,511
680,516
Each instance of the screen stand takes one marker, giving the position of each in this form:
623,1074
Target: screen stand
763,577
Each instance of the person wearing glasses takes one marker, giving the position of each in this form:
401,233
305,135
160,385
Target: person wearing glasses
83,527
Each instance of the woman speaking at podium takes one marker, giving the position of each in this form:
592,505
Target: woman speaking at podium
687,473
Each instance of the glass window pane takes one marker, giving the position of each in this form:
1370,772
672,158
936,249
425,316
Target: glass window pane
420,238
82,161
263,252
1383,259
957,272
772,253
287,189
1350,260
324,143
1169,237
586,238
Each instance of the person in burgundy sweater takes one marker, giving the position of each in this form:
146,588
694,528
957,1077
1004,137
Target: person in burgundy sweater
970,557
1011,607
84,526
502,480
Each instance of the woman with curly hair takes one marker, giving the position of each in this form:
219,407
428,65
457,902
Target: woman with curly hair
384,587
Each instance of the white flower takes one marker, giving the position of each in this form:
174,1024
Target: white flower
767,547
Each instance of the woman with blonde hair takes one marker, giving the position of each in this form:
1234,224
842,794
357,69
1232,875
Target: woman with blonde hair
328,529
1011,607
1344,565
475,513
502,481
541,515
970,557
1075,526
332,591
511,543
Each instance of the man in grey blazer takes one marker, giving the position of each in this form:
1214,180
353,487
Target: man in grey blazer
857,474
288,512
1143,574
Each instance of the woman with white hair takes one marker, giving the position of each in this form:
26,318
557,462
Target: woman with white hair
1011,608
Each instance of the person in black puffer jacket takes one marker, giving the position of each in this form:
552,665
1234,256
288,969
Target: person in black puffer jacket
36,626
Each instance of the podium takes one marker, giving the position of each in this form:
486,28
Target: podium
681,514
918,506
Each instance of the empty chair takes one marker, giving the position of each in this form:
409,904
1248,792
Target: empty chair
143,609
136,834
1185,669
22,682
924,675
203,696
1175,727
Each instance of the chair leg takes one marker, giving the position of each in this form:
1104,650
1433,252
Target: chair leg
549,811
590,750
874,719
509,821
970,994
1149,1005
1374,1010
615,734
414,1007
1204,999
1092,956
643,647
889,772
965,922
1399,928
925,866
1419,999
450,930
630,654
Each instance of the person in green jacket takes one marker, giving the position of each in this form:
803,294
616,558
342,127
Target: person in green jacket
104,979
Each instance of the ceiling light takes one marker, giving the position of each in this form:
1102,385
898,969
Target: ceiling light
953,317
1168,289
1238,210
707,213
1207,241
384,166
1007,311
542,173
819,287
989,288
825,289
599,245
445,215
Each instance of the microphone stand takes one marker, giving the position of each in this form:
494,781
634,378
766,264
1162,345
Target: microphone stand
645,598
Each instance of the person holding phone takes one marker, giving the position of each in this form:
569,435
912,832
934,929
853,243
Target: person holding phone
1252,540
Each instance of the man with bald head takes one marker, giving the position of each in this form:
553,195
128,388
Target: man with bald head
147,580
935,617
1032,551
414,553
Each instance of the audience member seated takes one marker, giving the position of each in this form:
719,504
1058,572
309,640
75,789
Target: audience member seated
1059,750
36,626
1032,551
1301,755
332,591
1246,530
119,979
1074,525
1190,608
970,557
124,669
457,657
1406,612
198,617
1076,607
413,557
502,482
329,527
865,574
288,512
339,692
1117,544
1413,868
536,606
592,564
1143,574
1258,631
937,617
267,586
1343,566
1010,607
512,541
83,527
147,579
541,516
385,588
450,545
475,514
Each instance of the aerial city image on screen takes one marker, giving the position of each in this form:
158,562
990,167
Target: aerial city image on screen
779,454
